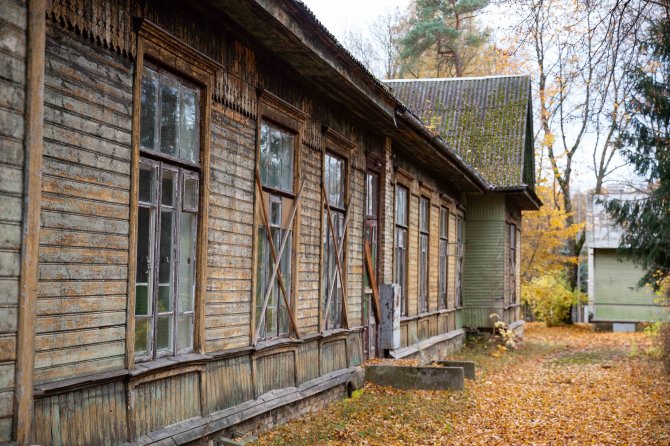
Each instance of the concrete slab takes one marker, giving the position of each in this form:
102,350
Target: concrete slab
410,377
468,367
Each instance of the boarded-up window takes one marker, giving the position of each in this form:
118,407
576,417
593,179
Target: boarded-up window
424,209
443,258
401,223
334,177
167,215
276,173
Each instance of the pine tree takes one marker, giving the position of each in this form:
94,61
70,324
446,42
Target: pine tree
445,29
646,222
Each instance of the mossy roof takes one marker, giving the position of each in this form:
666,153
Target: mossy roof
487,121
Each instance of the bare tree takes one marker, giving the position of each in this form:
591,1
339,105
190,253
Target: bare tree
580,52
378,45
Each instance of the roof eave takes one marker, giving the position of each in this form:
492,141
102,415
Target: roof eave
523,195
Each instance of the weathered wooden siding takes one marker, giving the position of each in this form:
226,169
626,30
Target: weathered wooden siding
333,355
166,401
229,382
484,261
307,362
95,415
231,216
85,195
309,268
12,97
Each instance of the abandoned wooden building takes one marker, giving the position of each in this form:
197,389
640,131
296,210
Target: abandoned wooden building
199,203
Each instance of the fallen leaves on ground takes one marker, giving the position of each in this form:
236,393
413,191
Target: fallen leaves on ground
563,386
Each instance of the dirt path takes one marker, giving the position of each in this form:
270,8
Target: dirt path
564,386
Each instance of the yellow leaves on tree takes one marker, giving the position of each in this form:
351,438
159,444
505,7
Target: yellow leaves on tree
544,236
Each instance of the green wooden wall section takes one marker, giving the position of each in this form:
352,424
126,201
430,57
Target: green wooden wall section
484,261
617,298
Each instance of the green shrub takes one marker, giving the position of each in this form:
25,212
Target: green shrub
550,298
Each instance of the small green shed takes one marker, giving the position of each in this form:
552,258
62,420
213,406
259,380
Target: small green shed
615,299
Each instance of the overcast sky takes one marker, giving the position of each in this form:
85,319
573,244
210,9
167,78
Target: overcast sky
338,15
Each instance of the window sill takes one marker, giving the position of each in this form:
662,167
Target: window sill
166,363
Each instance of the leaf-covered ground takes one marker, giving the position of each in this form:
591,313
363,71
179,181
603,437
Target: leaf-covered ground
563,386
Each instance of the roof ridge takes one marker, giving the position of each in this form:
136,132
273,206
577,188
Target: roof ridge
463,78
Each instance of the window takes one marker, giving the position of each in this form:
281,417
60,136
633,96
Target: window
443,265
424,209
167,218
276,173
401,223
334,178
460,239
169,117
512,263
276,160
370,234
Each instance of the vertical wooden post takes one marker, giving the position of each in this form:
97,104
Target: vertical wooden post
32,185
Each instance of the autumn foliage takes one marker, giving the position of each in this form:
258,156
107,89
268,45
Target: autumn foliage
563,386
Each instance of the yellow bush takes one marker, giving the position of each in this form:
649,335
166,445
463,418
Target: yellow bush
550,298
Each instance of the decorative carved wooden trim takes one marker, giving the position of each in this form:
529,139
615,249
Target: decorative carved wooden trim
281,112
403,178
32,181
337,143
158,39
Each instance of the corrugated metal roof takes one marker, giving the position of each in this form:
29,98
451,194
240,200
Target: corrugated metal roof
483,119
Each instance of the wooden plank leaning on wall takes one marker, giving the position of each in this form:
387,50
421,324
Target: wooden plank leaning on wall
34,110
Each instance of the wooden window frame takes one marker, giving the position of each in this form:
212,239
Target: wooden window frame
277,112
178,207
371,169
340,147
423,301
404,298
167,51
443,269
460,260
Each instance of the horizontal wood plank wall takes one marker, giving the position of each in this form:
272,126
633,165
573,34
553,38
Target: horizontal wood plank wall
484,262
12,106
85,195
309,267
355,241
434,255
229,269
96,415
229,382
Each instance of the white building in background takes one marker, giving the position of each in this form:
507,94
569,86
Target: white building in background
615,300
